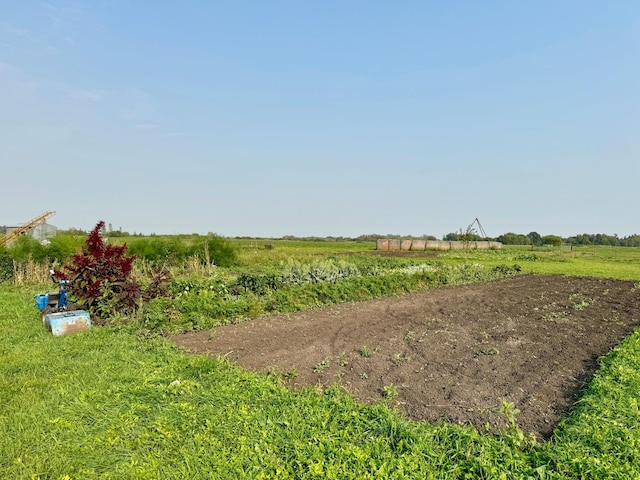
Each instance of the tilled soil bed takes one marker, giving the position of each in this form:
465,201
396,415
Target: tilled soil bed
455,353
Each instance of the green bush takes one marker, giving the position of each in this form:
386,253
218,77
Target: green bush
216,249
507,270
206,309
26,247
180,287
259,284
318,271
61,247
168,250
173,250
57,249
6,267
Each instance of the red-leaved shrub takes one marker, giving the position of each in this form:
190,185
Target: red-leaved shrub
100,278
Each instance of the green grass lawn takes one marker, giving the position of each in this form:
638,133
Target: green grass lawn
622,263
109,403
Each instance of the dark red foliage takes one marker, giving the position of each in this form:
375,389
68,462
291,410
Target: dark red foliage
99,277
158,285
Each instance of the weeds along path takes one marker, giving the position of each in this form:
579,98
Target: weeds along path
453,354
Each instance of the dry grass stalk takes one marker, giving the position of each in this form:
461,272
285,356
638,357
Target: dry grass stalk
30,272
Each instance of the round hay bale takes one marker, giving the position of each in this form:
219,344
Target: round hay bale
394,244
405,245
419,245
382,244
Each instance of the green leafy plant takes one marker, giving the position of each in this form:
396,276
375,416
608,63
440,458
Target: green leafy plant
507,270
512,432
216,250
582,302
508,410
390,391
399,357
488,351
6,267
342,359
322,365
365,351
258,284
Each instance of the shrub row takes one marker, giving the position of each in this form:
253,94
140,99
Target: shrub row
198,305
213,249
159,251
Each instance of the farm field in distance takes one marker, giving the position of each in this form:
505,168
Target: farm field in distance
531,375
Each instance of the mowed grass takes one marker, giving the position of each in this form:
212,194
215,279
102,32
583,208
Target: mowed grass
622,263
108,404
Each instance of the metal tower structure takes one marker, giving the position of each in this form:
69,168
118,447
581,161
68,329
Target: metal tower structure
24,229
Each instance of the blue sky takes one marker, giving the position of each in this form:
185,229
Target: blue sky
328,118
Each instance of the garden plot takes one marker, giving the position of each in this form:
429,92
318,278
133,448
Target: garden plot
455,354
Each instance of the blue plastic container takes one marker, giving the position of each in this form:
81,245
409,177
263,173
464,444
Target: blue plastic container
64,323
42,301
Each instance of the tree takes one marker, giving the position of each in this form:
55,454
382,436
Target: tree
514,239
535,239
468,235
552,240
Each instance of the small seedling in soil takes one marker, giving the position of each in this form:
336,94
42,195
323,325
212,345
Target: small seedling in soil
488,351
614,319
409,336
554,316
364,376
365,351
390,391
342,359
508,410
290,375
582,302
398,357
322,365
286,377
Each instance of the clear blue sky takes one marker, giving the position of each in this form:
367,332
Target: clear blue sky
328,118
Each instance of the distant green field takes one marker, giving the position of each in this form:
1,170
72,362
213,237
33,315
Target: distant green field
596,261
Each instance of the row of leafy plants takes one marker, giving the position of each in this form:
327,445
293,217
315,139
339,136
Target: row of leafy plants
197,304
101,280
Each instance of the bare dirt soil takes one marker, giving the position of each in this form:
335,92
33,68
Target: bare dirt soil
452,354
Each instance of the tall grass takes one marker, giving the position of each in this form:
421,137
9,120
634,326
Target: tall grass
30,272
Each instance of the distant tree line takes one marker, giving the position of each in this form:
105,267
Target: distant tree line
510,238
535,239
603,239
